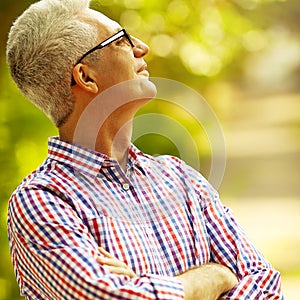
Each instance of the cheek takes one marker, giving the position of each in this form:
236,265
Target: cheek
124,62
123,70
118,68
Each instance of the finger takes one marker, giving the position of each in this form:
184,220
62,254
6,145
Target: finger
111,262
116,266
104,252
121,271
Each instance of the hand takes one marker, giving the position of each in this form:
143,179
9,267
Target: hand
113,264
207,282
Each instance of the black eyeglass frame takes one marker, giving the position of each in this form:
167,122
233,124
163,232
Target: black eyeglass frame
106,42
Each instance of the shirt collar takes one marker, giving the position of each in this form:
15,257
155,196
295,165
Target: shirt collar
81,159
139,159
90,162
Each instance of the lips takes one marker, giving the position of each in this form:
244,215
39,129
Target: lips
142,68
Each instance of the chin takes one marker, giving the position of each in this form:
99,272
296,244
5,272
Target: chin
147,87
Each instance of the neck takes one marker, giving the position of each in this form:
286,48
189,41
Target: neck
113,139
104,122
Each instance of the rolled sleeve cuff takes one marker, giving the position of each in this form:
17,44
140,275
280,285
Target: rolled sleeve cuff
166,288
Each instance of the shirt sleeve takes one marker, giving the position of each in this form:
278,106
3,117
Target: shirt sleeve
54,255
231,247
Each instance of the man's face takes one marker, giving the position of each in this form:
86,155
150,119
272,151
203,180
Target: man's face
119,61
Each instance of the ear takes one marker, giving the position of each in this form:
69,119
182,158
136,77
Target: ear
85,77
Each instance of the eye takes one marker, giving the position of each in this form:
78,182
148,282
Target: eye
121,41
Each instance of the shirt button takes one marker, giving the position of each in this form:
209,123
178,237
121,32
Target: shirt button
126,186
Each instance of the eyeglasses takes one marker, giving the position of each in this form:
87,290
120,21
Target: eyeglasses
113,38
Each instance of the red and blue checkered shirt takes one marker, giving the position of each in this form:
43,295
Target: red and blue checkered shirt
160,217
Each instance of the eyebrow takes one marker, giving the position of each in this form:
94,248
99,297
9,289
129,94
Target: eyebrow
118,29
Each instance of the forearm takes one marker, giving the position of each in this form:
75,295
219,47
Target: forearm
56,257
230,246
207,282
61,274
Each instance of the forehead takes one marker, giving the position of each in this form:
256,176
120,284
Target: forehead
103,23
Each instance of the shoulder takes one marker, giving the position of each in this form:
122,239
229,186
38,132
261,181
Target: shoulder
171,166
178,172
51,178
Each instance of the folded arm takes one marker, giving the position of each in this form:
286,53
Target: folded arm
55,256
206,282
230,246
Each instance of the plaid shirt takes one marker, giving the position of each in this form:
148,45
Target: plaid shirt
160,217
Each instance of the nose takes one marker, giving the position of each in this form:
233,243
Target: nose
140,49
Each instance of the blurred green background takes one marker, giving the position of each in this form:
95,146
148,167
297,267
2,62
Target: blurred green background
243,56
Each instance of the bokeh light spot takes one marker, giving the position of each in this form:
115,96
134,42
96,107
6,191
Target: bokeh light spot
162,45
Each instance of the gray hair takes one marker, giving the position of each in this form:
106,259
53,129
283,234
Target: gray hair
43,46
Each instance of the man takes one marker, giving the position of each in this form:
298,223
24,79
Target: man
99,219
